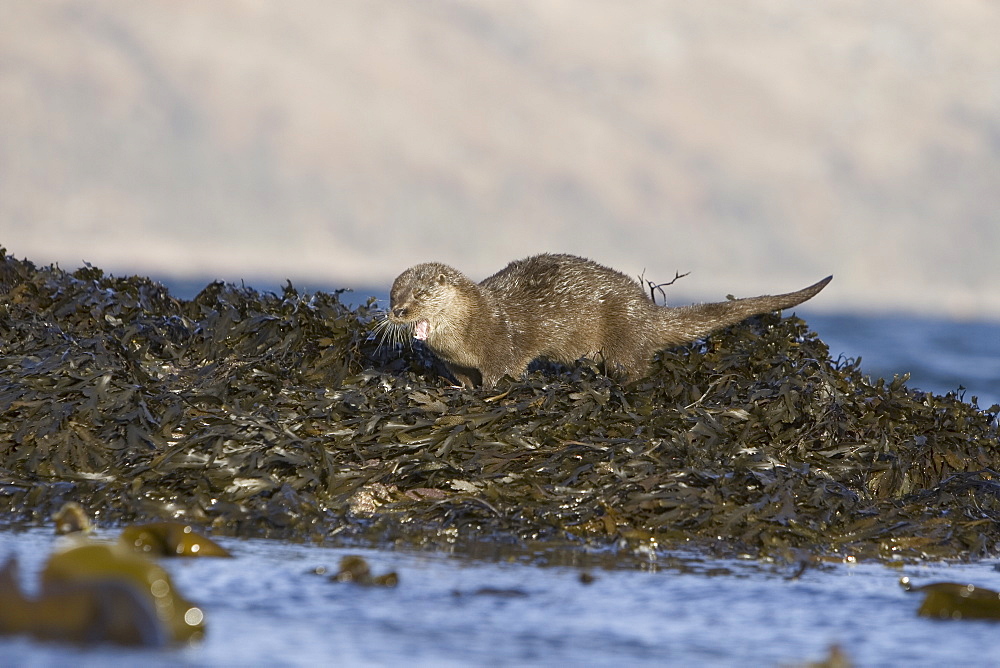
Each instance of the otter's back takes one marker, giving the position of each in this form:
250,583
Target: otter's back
561,279
566,307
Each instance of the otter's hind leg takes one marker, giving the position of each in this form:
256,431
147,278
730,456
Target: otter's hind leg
627,355
628,368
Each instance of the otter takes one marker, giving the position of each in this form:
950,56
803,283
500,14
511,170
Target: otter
558,307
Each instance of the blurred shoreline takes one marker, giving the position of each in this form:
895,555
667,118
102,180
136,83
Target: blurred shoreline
760,147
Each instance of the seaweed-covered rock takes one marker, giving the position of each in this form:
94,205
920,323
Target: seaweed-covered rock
280,415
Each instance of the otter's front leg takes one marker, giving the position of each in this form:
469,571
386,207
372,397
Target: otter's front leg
466,376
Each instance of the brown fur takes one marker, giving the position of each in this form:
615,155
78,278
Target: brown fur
560,307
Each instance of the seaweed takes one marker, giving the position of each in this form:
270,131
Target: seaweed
281,415
355,569
170,539
952,600
93,592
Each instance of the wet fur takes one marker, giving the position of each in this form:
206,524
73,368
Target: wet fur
560,307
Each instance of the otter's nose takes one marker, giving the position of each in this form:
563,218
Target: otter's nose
399,312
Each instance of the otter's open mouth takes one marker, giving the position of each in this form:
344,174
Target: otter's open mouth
421,330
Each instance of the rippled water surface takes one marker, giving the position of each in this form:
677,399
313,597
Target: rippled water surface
267,606
940,355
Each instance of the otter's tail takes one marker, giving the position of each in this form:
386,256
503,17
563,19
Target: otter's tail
688,323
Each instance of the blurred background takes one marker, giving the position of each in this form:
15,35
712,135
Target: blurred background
759,146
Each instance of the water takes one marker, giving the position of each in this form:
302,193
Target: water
940,355
268,607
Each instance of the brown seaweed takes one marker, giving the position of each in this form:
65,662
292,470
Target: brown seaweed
356,569
259,414
170,539
72,518
836,657
952,600
99,593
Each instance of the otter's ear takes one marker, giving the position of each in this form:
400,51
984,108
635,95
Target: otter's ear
442,279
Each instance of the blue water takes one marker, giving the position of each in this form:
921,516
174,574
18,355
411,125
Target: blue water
268,607
941,356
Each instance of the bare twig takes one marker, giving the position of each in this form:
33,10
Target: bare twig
653,287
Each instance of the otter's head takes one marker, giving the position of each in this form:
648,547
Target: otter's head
421,295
